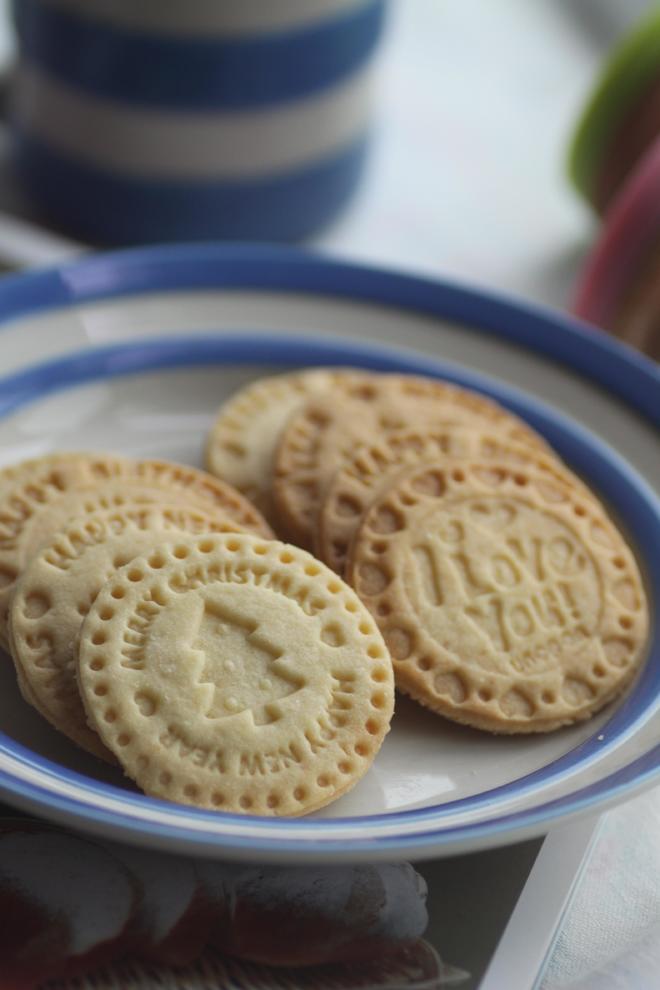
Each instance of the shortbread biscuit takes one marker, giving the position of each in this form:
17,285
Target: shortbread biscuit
32,512
58,587
324,433
241,443
508,600
60,469
371,469
238,674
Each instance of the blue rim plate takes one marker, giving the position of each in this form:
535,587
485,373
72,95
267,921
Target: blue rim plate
84,327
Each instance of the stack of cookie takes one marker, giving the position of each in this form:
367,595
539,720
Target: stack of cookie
425,535
507,598
154,620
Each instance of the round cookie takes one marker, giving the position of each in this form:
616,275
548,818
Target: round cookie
57,588
507,599
238,674
322,435
369,472
61,469
52,516
33,511
28,485
241,443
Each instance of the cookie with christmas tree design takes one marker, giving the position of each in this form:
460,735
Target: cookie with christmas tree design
236,673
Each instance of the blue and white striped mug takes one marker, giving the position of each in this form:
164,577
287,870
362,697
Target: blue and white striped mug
151,120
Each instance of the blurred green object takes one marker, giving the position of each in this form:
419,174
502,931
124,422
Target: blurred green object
629,71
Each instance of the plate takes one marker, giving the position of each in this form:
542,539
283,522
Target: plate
134,351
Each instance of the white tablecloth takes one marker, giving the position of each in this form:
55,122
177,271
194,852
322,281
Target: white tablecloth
610,939
475,103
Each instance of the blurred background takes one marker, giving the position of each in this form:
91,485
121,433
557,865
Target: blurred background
473,106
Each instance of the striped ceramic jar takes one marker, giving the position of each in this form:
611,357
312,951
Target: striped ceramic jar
145,120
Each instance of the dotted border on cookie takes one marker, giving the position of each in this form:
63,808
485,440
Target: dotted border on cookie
378,588
305,796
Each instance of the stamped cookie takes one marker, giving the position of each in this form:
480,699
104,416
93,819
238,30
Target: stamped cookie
63,469
32,512
370,471
241,443
58,587
323,434
508,600
238,674
59,472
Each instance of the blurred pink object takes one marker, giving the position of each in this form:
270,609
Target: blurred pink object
619,288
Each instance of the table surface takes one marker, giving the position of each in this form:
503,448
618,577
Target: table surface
474,104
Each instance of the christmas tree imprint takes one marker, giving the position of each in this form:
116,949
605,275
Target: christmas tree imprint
242,665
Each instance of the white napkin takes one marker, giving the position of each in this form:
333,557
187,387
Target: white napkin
610,938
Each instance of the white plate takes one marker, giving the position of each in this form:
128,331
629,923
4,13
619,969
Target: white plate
134,351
